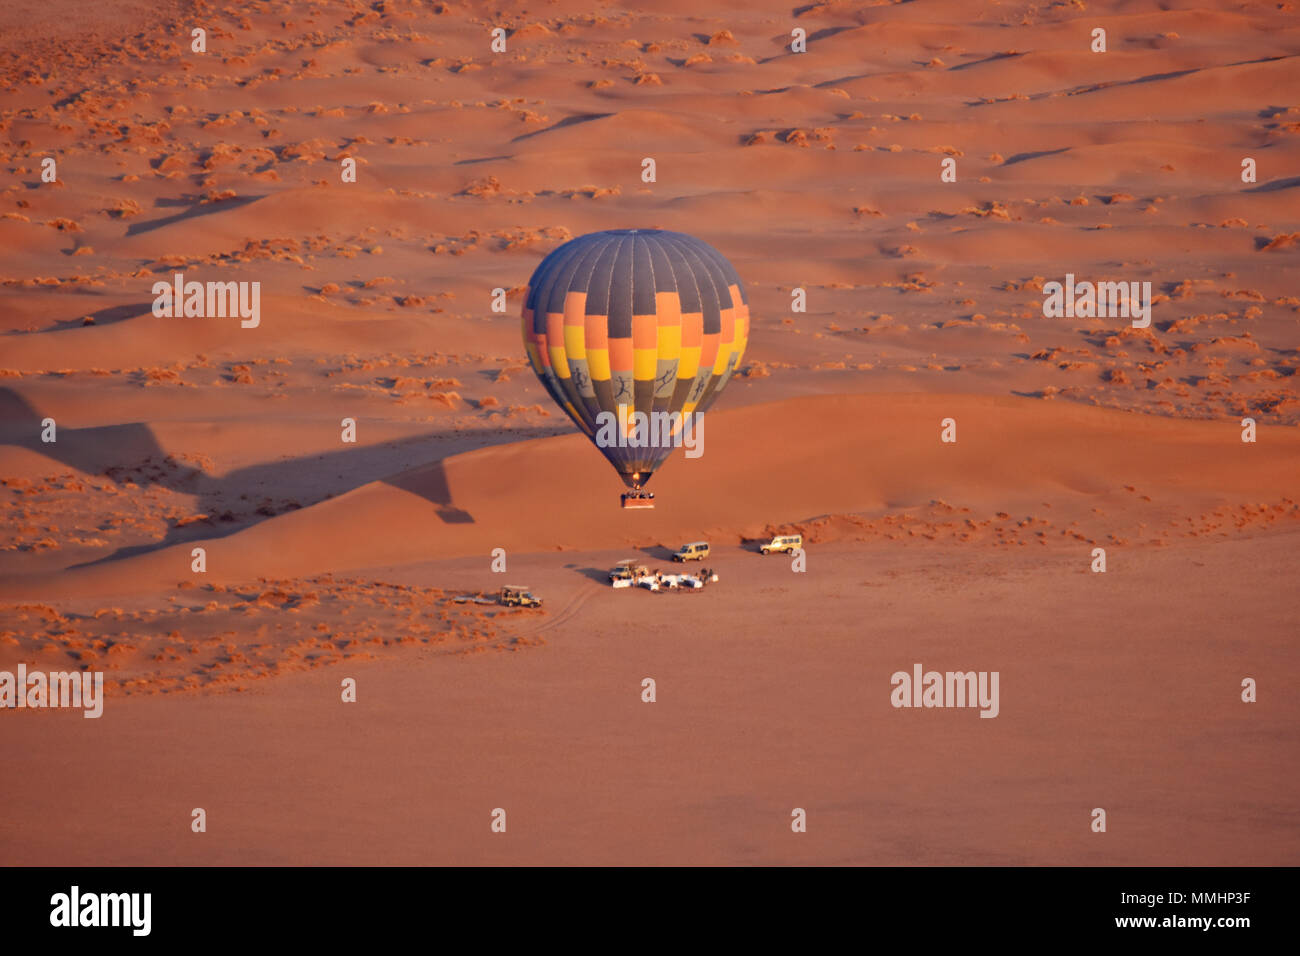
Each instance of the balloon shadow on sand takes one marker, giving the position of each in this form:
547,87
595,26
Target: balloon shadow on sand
240,499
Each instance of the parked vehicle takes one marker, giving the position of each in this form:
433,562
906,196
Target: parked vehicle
695,551
783,542
627,573
518,595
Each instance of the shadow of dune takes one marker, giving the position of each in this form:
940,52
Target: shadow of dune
105,316
570,121
837,81
1170,75
1022,157
1274,185
193,212
993,58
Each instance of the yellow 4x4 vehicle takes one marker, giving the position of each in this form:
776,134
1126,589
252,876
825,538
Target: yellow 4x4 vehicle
695,551
627,573
783,542
518,595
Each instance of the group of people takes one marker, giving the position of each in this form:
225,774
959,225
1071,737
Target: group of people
659,580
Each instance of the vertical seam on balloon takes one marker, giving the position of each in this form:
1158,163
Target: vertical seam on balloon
727,270
713,285
553,275
609,312
542,271
654,279
609,292
575,400
597,249
709,391
682,250
676,246
654,240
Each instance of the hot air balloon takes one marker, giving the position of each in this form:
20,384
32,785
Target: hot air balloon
623,324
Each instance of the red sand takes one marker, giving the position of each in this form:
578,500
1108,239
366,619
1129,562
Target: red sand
818,171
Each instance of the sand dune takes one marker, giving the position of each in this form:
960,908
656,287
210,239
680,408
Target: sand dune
818,175
869,456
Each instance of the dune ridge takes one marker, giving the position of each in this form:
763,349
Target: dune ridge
797,460
818,175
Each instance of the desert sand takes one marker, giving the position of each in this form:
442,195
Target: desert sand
817,171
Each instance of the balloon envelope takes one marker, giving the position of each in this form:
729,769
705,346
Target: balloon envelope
634,320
